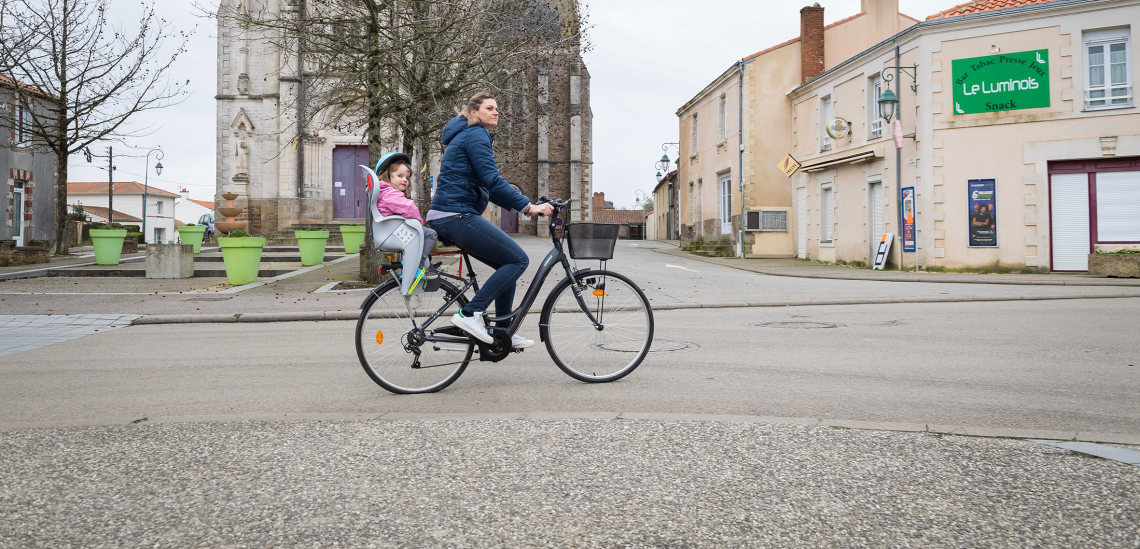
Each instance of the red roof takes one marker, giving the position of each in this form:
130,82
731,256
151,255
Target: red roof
979,6
202,203
121,187
9,81
101,212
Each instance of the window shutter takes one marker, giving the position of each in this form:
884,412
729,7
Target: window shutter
1118,206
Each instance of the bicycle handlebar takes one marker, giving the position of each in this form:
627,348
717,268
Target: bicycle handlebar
558,204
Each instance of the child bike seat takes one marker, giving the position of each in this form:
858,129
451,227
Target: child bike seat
396,234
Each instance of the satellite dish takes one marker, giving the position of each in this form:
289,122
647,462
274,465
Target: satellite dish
838,128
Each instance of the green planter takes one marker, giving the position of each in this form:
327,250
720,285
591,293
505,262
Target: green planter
312,246
108,245
192,234
353,236
242,256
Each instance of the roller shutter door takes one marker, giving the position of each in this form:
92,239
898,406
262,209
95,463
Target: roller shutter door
1117,206
1069,200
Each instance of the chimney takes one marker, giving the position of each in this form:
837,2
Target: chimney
599,201
185,193
811,42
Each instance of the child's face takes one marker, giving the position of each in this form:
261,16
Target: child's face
400,178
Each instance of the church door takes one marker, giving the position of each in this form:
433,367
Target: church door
350,187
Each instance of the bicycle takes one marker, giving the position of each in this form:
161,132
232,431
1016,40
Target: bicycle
597,324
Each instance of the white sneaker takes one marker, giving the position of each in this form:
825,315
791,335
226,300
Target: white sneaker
473,325
520,342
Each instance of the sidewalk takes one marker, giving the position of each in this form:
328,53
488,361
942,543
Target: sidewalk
805,269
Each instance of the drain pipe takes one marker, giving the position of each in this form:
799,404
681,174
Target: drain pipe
740,139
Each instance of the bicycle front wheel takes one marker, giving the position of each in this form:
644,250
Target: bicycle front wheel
390,350
585,351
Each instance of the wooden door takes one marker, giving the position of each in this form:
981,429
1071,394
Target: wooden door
349,185
509,221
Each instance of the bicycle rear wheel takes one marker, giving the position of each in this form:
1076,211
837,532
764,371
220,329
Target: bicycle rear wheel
579,348
391,353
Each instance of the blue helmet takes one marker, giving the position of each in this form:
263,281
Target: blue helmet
387,159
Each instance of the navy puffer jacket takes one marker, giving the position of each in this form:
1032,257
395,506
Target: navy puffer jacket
468,175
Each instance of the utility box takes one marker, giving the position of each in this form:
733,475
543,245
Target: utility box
169,260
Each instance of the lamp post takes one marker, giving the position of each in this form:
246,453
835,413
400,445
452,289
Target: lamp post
663,170
146,181
889,108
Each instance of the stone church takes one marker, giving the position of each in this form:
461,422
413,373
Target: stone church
284,181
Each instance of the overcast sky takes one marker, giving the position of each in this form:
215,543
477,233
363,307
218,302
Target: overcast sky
648,59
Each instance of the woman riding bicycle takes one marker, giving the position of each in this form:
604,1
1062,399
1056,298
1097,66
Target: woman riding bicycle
468,179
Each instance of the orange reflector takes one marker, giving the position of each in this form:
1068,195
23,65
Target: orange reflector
599,293
379,337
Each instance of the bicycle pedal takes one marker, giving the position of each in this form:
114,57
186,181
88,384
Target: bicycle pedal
517,351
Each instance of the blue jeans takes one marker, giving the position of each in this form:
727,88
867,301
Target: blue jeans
489,244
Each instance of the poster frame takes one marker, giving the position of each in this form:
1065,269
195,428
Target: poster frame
969,208
912,224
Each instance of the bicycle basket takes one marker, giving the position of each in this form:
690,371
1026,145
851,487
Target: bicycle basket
592,240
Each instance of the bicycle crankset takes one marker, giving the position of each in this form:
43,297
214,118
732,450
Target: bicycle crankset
497,350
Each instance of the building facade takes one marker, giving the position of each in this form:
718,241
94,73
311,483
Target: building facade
29,171
284,182
128,199
728,150
663,224
1021,141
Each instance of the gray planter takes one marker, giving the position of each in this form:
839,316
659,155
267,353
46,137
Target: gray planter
1115,265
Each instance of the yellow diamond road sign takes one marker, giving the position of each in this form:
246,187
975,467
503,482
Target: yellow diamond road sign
788,165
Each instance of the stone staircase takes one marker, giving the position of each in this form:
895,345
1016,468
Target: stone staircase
287,238
711,248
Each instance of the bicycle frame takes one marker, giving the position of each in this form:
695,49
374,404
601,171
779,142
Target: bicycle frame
515,317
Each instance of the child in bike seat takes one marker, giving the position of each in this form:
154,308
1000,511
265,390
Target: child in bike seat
394,171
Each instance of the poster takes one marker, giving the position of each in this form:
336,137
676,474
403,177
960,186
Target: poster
983,213
883,250
1005,82
909,238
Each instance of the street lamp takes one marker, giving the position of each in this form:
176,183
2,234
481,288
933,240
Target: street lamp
146,181
888,102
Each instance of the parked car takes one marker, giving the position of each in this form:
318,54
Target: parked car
207,220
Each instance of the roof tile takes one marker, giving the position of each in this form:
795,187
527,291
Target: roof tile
121,187
979,6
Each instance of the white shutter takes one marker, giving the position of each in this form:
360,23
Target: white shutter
1118,207
1069,201
802,221
876,211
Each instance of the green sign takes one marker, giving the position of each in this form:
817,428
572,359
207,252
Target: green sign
1003,82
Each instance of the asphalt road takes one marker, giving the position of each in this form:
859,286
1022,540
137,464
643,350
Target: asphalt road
1071,365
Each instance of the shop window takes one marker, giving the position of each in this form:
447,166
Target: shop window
1108,72
825,110
876,124
827,214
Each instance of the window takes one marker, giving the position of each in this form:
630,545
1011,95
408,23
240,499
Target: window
693,138
1108,82
766,220
723,118
876,111
826,214
824,116
23,124
158,208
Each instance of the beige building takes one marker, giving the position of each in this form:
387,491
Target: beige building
712,194
662,224
1021,140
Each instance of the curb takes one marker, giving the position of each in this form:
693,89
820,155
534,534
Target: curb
303,316
954,430
677,252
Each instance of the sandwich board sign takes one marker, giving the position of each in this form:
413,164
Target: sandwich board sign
883,250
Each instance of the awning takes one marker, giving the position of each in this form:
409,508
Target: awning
866,156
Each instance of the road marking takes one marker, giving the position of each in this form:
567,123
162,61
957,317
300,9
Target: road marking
261,283
328,289
679,267
1098,450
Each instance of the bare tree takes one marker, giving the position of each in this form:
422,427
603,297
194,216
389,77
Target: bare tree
85,76
399,70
